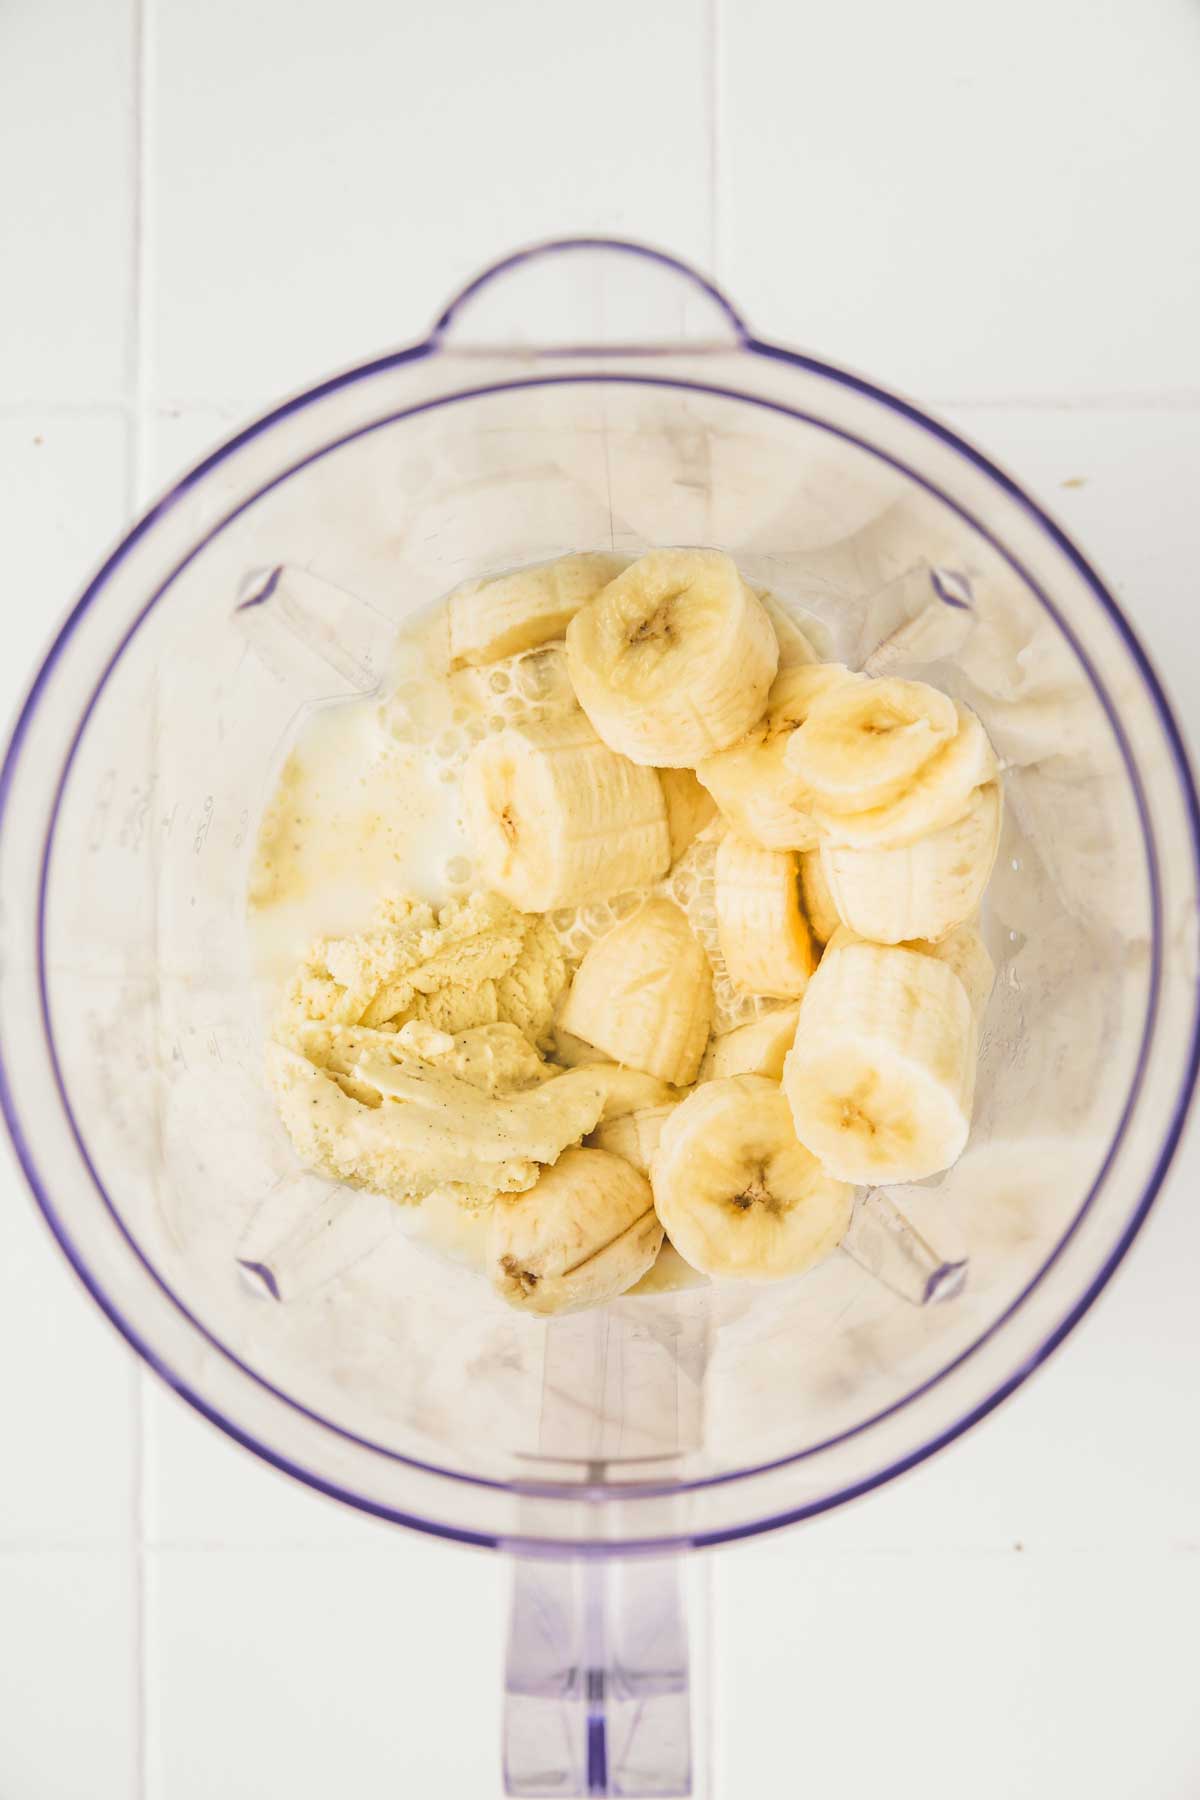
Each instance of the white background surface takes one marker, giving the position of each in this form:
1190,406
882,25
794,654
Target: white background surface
202,205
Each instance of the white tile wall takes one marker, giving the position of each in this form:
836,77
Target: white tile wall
980,1673
323,179
70,1424
205,205
69,1681
68,200
323,1671
65,497
983,206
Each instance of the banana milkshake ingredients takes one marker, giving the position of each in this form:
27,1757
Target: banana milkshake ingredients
643,995
755,1049
680,814
585,1232
882,1073
674,658
934,794
690,807
557,818
763,933
492,619
736,1192
918,890
819,909
752,782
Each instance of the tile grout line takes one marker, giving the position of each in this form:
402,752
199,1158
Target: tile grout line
135,407
138,386
139,1579
715,142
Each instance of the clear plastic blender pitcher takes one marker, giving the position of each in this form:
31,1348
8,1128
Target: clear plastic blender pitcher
582,395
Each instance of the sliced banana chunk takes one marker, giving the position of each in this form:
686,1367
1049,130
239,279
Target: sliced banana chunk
864,743
555,817
581,1235
633,1135
628,1091
755,1049
752,783
939,794
965,952
807,643
920,890
674,658
643,995
763,935
570,1052
690,807
882,1073
737,1193
506,613
670,1275
819,910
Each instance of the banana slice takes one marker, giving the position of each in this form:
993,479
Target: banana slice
507,613
581,1235
939,794
736,1192
807,643
643,994
556,818
882,1074
755,1049
965,952
690,808
634,1135
762,932
628,1091
670,1275
674,658
819,910
752,783
864,743
572,1053
921,890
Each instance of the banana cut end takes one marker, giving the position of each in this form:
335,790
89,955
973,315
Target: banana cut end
556,818
739,1195
881,1076
584,1233
643,994
674,659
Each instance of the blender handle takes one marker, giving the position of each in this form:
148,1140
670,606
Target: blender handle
597,1684
596,1678
589,295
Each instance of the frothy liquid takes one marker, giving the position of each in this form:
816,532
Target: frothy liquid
362,808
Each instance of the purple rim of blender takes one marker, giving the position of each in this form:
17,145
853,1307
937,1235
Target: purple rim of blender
624,1491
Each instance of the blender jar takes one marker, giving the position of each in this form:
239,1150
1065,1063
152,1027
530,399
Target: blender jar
585,395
